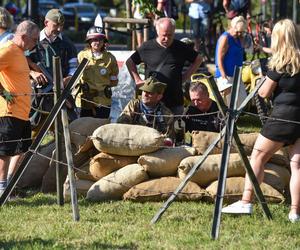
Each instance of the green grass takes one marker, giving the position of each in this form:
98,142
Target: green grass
38,223
248,124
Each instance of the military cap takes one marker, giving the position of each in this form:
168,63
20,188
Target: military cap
152,85
55,15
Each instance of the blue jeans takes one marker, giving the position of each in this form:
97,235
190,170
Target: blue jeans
199,26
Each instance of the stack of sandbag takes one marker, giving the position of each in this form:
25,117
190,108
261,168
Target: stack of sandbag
41,171
130,155
276,178
133,164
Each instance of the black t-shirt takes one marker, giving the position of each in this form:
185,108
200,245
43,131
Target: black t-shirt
287,91
208,122
152,54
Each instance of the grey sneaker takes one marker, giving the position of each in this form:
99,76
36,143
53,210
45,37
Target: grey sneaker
238,208
294,217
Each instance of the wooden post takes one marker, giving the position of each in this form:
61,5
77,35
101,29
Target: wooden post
69,156
57,77
129,21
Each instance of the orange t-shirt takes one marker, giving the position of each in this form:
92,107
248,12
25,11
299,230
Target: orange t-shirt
14,77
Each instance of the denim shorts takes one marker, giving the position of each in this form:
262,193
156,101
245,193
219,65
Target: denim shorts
15,136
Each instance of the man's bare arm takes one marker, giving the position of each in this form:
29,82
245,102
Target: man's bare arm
134,73
192,69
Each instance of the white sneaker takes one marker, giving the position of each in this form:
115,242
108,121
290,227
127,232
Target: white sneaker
294,217
238,208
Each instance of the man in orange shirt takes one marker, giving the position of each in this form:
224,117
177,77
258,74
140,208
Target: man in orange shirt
15,131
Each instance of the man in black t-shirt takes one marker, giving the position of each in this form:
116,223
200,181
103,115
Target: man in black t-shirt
202,114
164,58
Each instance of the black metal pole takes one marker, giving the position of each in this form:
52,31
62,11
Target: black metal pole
226,153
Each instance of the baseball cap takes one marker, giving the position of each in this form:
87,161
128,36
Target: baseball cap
55,15
152,85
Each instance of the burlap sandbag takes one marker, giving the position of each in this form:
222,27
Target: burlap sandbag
280,159
164,162
128,140
114,185
161,189
235,187
277,176
202,140
38,165
49,179
84,172
103,164
210,169
82,186
83,127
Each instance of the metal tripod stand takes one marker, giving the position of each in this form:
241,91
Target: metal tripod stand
229,132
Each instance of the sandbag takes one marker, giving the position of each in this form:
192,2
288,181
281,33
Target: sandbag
235,187
164,162
280,159
161,189
84,172
202,139
49,178
82,186
83,127
114,185
210,169
38,165
277,176
103,164
128,140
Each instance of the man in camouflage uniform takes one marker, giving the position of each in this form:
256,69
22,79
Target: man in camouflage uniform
149,110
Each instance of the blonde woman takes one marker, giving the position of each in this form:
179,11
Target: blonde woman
229,54
283,81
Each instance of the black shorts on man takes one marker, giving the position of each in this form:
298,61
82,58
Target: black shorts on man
15,136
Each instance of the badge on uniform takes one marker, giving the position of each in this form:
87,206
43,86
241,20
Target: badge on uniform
103,72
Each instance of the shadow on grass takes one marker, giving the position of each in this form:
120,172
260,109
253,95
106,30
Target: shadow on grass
36,200
38,243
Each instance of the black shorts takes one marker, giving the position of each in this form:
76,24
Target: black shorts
15,136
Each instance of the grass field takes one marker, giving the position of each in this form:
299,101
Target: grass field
38,223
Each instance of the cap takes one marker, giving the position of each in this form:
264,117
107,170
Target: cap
223,84
152,85
55,15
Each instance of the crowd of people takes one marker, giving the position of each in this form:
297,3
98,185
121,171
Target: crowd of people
24,52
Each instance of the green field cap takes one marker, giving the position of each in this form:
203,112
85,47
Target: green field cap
152,85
